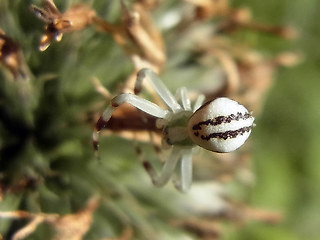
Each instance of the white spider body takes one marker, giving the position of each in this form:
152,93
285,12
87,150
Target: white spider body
221,125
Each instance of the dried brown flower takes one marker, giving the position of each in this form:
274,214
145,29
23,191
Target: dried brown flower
11,56
57,23
67,227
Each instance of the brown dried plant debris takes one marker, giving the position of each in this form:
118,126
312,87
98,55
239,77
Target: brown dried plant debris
139,37
204,229
11,57
23,184
240,214
67,227
205,9
75,18
211,226
257,75
263,215
137,34
241,19
235,19
248,74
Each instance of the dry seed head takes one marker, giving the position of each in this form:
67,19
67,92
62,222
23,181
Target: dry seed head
11,56
75,18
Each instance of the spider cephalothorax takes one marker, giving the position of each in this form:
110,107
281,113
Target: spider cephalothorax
220,125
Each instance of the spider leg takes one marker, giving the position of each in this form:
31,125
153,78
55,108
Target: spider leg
156,148
182,94
158,85
186,172
198,103
167,171
138,102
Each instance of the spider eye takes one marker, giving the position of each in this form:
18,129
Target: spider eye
221,125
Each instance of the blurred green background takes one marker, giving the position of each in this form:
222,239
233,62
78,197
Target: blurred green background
287,138
47,137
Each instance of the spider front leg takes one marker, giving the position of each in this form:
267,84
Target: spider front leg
138,102
160,88
185,181
183,97
167,170
198,103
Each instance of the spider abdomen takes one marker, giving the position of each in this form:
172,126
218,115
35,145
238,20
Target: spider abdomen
221,125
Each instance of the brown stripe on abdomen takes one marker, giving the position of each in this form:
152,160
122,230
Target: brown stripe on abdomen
227,134
222,119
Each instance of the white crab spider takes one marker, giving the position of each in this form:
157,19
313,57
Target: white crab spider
221,125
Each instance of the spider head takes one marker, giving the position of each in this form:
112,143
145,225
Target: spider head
221,125
174,129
